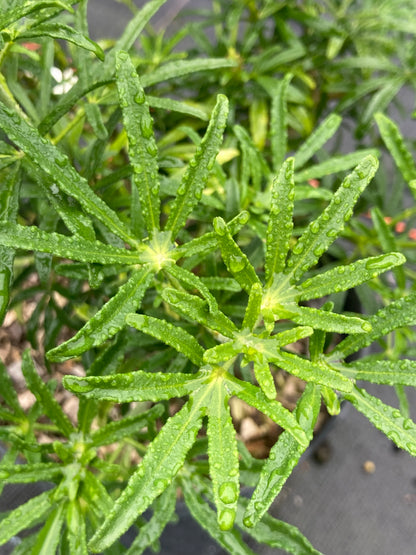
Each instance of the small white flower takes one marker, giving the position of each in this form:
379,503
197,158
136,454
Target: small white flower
66,80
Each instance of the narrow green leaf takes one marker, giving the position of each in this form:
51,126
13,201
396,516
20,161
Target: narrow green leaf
142,145
9,198
200,510
223,456
107,321
93,491
50,406
62,32
291,336
278,124
190,279
280,225
163,512
56,164
346,277
331,400
236,261
328,321
50,535
197,310
321,233
273,409
253,164
401,430
134,386
207,243
265,378
389,372
335,164
172,335
318,138
221,353
252,313
312,372
32,238
176,106
75,220
26,473
8,391
95,119
196,176
23,8
25,515
127,426
175,69
162,461
396,315
76,529
394,141
221,284
283,457
387,242
277,533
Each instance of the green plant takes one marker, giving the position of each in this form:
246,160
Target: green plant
191,260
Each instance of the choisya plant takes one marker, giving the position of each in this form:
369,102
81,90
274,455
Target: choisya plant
212,353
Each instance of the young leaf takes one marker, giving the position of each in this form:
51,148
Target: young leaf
50,406
163,512
50,535
190,279
273,409
200,510
223,456
107,321
142,145
397,314
197,309
196,176
236,261
25,515
76,529
221,353
164,458
394,141
283,457
318,138
321,233
134,386
56,164
279,228
278,126
253,307
346,277
265,378
172,335
389,372
401,430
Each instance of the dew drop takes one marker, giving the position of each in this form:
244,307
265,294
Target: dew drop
226,519
346,184
248,521
237,263
193,163
314,227
140,97
146,126
181,190
408,424
228,492
220,226
61,161
298,248
151,149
